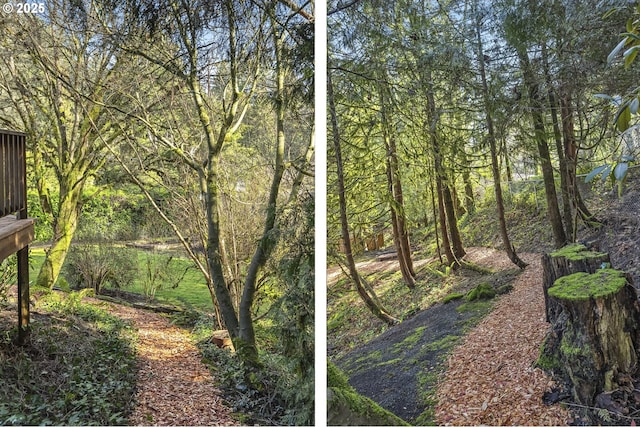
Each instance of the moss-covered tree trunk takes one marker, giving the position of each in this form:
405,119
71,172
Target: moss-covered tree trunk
594,338
64,229
568,260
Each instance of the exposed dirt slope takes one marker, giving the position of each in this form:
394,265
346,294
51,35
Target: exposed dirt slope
399,368
388,368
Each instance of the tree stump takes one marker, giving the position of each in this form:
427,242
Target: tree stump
595,333
563,262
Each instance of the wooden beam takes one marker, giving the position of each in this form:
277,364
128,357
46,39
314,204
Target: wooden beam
15,234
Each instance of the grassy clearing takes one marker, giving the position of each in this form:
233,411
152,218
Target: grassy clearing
78,367
191,292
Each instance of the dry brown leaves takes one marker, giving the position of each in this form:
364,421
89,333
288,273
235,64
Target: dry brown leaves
174,386
491,379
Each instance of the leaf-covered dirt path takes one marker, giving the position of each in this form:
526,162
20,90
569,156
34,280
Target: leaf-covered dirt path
174,387
490,377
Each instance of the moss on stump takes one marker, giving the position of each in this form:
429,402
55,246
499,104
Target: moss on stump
576,252
583,286
566,261
594,336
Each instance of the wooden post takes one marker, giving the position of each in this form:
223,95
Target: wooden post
23,294
23,254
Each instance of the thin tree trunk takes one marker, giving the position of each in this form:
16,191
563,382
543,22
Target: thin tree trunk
452,221
553,211
571,156
564,175
507,162
394,185
442,219
432,115
435,222
370,302
511,252
469,200
268,239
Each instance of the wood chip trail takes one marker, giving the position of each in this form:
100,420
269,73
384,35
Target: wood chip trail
174,387
491,379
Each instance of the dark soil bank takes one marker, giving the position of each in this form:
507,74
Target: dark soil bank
398,368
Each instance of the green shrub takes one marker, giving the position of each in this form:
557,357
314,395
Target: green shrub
93,266
266,396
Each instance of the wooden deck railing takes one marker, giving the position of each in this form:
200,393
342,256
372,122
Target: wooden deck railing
16,229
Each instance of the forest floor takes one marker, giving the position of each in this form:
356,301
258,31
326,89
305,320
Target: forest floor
442,365
174,387
490,375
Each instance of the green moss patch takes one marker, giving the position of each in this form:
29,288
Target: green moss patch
410,341
576,252
427,381
480,308
547,362
452,297
569,349
583,286
443,344
346,407
483,291
369,358
336,378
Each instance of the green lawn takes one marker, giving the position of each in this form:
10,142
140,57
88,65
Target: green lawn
192,290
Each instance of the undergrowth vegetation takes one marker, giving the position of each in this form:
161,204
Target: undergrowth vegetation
525,213
264,397
274,395
282,391
77,368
